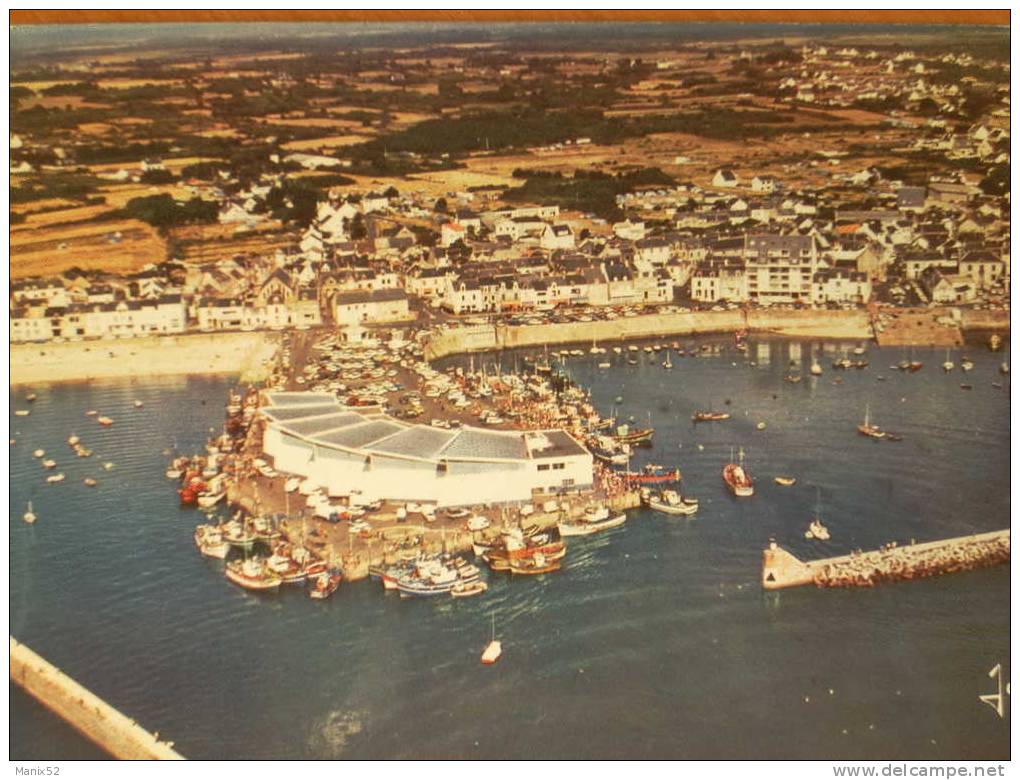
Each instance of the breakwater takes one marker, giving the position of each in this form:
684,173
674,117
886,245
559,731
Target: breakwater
809,324
891,563
93,717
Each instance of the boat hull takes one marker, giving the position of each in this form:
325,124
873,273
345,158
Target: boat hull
585,529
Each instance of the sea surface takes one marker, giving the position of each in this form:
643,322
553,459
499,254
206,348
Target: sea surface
655,641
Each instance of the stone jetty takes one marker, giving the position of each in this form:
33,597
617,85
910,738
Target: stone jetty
891,563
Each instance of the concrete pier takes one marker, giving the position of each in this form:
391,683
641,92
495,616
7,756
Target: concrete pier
110,729
781,569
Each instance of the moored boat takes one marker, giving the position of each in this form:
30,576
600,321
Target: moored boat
29,516
651,475
595,520
867,429
673,503
324,586
210,542
785,481
536,564
54,478
104,420
494,649
252,574
464,589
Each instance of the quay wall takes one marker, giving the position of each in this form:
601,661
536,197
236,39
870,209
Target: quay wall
247,354
980,319
93,717
781,569
808,323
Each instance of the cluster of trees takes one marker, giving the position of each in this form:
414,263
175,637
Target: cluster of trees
588,191
163,212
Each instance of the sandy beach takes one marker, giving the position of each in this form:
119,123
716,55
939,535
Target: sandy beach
246,354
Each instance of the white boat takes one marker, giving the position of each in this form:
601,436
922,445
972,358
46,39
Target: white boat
22,413
138,404
49,464
785,481
672,503
108,465
174,473
477,523
89,482
594,521
966,364
667,363
816,368
29,516
605,364
494,649
38,453
54,478
73,439
817,531
948,364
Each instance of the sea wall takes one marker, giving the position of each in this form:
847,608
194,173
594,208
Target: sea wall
93,717
247,354
814,324
855,324
982,319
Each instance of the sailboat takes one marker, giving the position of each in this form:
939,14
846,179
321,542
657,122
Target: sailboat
667,363
948,365
867,429
816,367
816,530
29,516
494,649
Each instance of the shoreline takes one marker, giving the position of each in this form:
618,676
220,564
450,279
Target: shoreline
247,354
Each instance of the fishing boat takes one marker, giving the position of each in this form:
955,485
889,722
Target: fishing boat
605,449
54,478
737,478
89,482
785,481
324,586
464,589
624,435
252,574
817,531
494,649
595,520
207,500
237,535
48,464
673,503
210,542
995,342
38,453
867,429
29,516
174,473
536,564
104,420
709,416
650,475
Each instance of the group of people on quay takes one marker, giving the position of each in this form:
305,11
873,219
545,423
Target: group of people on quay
892,563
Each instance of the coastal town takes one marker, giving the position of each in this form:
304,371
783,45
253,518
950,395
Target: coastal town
891,224
656,362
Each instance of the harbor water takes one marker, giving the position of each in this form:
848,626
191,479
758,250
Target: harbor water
654,641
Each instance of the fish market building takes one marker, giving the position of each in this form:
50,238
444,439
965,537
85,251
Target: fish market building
369,456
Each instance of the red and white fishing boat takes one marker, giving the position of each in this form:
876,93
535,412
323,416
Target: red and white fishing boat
252,574
324,586
738,479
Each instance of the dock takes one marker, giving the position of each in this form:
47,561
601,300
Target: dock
891,563
113,731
